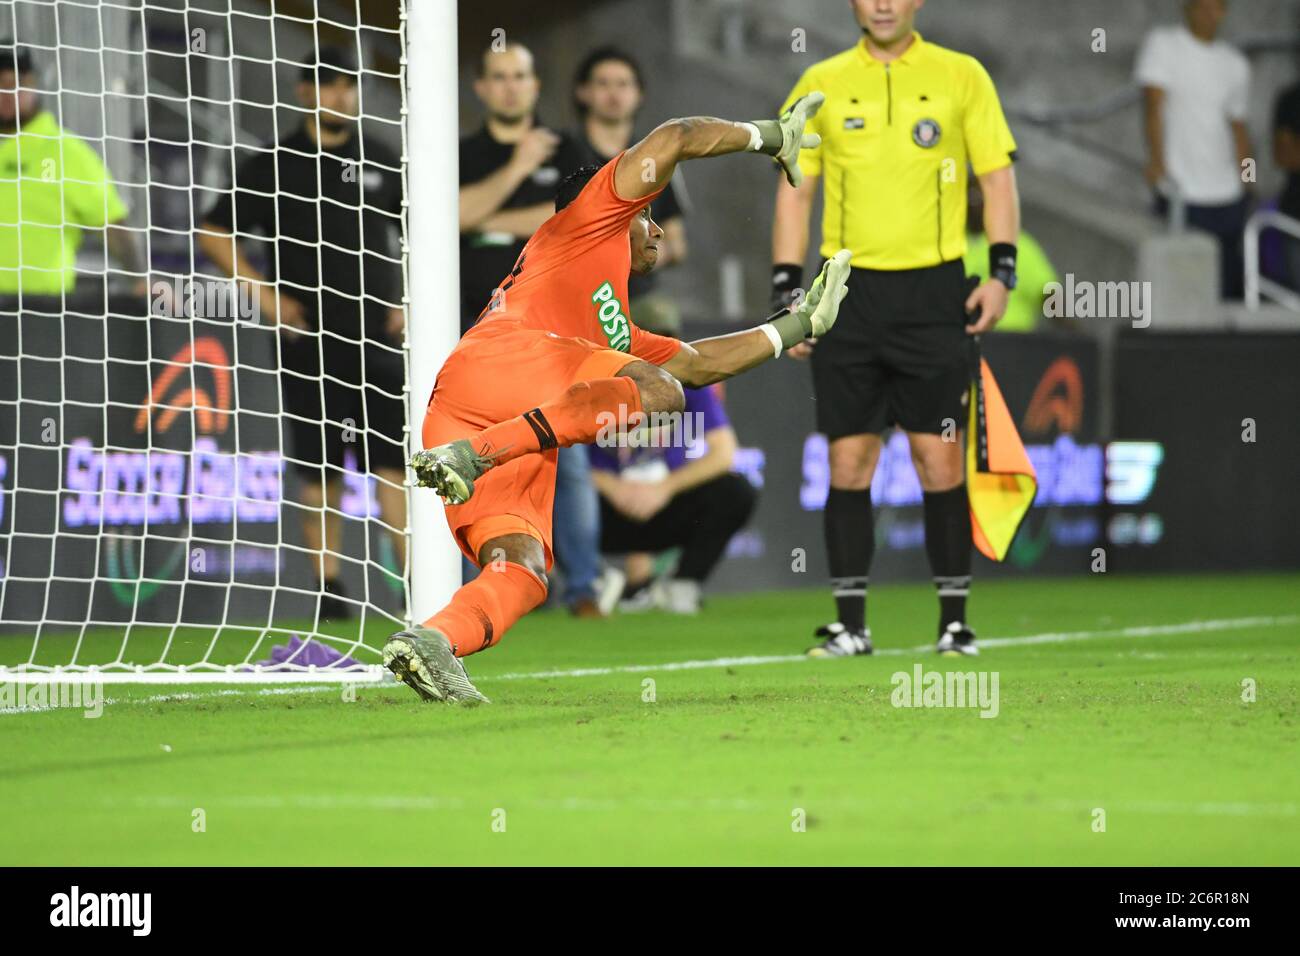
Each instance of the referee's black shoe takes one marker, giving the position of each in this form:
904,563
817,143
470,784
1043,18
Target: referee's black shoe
957,640
840,641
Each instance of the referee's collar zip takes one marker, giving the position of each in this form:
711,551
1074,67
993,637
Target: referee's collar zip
908,56
889,98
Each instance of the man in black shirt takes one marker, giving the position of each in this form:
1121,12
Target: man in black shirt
326,202
509,171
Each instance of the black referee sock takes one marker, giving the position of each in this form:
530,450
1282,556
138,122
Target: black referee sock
850,544
948,544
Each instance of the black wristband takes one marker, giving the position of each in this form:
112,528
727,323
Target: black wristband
786,277
1002,263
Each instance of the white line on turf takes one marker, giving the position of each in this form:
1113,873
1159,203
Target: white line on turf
1157,630
388,802
188,695
1151,630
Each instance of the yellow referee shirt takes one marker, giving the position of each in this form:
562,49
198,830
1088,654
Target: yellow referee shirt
896,140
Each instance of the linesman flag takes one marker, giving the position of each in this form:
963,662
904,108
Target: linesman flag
1000,480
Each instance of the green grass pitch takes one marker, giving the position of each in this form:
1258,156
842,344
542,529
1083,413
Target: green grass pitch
1134,709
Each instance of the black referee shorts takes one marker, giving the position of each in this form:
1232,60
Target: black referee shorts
898,354
327,418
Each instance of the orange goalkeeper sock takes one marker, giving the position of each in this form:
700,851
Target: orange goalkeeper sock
576,417
481,611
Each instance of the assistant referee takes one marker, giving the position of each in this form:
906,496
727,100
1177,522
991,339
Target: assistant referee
902,120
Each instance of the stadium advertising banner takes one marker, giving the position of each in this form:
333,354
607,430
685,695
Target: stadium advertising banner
143,477
1050,386
1223,477
142,472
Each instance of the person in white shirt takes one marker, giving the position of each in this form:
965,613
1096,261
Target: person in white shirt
1196,90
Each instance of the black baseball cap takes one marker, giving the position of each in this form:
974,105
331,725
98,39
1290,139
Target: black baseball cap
329,64
17,58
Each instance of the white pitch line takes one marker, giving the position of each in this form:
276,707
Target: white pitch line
1149,630
407,802
1155,630
186,695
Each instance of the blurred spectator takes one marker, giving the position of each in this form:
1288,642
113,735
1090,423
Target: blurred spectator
509,171
53,187
331,300
678,496
1035,270
1286,152
1196,91
607,93
679,493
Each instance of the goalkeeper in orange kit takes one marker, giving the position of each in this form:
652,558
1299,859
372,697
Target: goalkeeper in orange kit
555,357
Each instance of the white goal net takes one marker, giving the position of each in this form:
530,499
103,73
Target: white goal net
203,358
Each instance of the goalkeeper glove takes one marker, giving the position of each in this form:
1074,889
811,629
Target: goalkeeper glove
783,138
816,312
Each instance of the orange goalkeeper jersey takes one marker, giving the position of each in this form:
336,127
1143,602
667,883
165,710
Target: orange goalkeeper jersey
571,278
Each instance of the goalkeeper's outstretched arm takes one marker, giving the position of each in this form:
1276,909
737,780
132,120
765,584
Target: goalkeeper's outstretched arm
648,165
711,360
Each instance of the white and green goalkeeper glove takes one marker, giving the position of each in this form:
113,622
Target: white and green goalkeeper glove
816,312
783,138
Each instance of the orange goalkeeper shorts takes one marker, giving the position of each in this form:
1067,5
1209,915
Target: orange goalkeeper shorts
500,370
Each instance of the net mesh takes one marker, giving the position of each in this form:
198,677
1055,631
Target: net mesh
185,456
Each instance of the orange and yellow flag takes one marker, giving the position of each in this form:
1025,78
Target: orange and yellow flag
1000,480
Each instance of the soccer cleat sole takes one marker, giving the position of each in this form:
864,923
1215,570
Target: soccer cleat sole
440,678
401,659
433,470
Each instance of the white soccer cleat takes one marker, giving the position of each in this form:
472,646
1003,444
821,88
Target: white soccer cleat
957,640
841,642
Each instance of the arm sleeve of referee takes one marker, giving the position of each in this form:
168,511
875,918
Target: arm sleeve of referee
989,142
810,160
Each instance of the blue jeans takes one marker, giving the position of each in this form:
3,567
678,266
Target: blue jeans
577,525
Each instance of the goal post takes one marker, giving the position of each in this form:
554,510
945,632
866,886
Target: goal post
433,167
158,498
